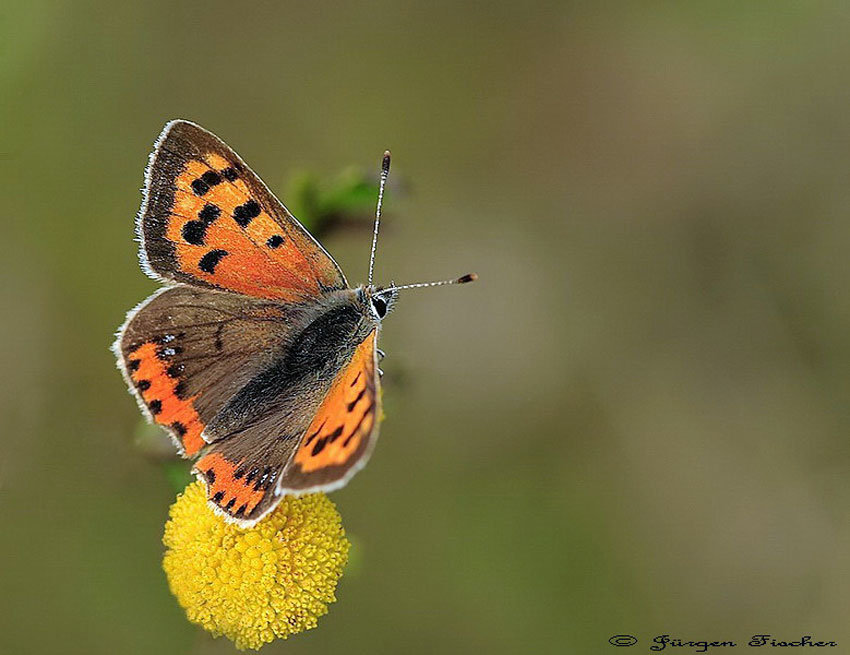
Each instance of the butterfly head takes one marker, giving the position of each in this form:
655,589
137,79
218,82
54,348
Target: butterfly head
378,300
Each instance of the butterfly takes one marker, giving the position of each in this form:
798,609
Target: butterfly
256,356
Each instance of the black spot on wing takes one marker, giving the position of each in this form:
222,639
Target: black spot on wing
356,430
194,232
315,434
274,241
199,187
319,446
244,214
155,406
179,428
144,385
333,436
210,260
211,178
230,174
356,400
209,213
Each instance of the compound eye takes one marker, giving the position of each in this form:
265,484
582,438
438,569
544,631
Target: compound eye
380,306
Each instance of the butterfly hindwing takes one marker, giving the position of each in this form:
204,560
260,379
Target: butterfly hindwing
208,220
185,351
343,431
241,473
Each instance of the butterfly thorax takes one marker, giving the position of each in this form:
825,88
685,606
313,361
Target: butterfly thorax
322,338
331,329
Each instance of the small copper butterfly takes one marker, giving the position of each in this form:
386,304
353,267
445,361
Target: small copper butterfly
257,357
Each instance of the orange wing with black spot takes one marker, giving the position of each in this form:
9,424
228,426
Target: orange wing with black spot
185,351
342,433
208,220
248,472
242,487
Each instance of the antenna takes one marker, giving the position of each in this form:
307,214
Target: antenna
385,171
463,279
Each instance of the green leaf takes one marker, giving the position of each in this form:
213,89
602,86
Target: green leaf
322,204
178,473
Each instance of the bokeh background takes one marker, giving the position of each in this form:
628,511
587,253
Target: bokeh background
636,422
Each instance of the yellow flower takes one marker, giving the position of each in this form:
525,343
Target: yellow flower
258,584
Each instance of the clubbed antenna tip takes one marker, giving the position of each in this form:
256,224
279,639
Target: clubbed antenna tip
469,277
385,171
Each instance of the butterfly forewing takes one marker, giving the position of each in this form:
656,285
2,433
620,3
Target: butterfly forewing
208,220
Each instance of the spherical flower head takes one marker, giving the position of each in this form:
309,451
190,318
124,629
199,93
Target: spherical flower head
257,584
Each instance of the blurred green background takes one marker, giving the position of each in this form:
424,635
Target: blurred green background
636,422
